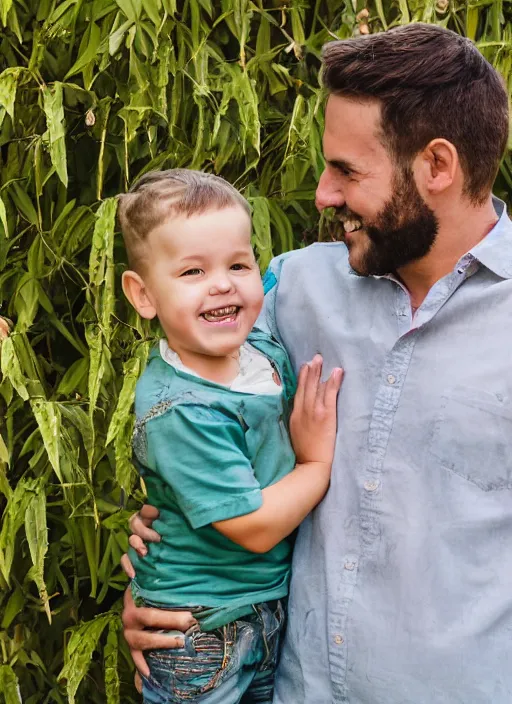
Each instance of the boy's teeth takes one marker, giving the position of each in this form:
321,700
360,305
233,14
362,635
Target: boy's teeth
220,313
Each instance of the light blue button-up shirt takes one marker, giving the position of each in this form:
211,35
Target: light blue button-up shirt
402,578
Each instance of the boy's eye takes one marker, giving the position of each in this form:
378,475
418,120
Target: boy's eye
192,272
238,266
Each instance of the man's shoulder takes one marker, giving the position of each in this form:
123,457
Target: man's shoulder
317,258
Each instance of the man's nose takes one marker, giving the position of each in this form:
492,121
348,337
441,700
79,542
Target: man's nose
328,192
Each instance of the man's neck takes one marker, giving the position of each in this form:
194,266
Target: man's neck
460,229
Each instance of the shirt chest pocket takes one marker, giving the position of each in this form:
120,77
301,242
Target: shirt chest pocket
473,437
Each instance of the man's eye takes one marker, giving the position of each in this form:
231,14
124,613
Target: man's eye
192,272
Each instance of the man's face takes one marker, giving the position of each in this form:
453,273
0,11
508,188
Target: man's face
383,219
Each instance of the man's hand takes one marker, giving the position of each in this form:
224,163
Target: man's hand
142,533
313,421
137,619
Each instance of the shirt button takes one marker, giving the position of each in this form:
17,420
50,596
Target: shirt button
349,566
371,484
338,639
391,379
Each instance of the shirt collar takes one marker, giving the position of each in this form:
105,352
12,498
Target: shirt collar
495,250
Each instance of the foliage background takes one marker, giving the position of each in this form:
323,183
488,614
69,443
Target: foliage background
92,94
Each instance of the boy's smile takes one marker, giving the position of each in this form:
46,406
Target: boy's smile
202,282
221,316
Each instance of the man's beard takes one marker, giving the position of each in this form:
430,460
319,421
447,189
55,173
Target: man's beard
403,231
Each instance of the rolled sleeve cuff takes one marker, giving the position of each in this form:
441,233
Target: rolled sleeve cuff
231,508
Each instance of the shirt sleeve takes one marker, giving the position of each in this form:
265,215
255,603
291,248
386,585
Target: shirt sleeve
267,318
201,454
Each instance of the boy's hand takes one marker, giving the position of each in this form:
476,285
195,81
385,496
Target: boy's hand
313,421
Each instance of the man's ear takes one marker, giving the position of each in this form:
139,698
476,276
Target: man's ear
439,165
136,292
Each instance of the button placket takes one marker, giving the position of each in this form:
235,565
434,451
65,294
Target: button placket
386,401
371,485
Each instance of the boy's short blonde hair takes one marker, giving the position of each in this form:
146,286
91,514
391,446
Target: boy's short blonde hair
159,195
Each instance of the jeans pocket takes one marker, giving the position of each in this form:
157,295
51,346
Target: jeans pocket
188,672
273,624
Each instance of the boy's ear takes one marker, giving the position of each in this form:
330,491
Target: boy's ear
136,292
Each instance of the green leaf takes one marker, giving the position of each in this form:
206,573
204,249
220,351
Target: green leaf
4,452
12,520
262,239
3,218
89,534
26,301
8,86
74,377
102,248
83,642
48,420
115,39
82,422
54,111
153,10
131,8
11,368
22,201
13,607
37,538
87,52
9,683
111,658
125,402
4,9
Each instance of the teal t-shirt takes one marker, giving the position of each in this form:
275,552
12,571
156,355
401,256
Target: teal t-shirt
205,453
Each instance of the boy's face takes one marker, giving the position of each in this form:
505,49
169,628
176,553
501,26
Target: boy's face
202,282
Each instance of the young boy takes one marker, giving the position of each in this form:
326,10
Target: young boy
211,439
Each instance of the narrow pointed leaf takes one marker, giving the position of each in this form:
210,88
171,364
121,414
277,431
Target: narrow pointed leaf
54,111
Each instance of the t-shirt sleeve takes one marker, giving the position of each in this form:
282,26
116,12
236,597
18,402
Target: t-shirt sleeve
201,454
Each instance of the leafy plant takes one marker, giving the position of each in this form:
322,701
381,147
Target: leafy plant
93,93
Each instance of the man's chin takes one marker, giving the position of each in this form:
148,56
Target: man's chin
357,261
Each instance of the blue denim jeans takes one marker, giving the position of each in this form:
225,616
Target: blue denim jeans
234,664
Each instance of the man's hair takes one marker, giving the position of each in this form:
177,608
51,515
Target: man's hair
160,195
431,83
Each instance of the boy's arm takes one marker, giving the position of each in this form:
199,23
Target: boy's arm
287,502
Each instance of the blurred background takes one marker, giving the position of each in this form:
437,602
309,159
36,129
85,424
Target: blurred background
93,93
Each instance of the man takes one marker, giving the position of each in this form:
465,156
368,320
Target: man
401,577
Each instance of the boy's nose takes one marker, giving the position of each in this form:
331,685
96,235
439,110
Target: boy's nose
222,285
